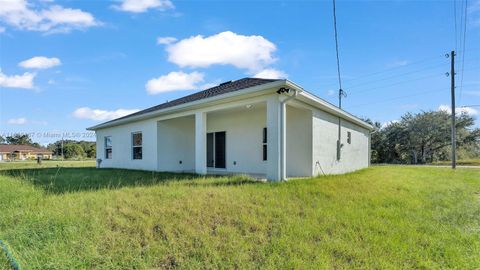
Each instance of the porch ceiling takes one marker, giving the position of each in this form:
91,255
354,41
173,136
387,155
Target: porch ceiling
239,109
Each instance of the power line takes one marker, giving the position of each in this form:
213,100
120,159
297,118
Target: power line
397,83
455,21
399,97
364,89
363,76
463,50
399,75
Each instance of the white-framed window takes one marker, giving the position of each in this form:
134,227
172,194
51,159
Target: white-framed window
264,144
349,137
137,145
108,147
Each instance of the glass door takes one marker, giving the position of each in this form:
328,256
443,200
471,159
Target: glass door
216,150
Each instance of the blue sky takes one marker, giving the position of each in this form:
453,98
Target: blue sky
68,65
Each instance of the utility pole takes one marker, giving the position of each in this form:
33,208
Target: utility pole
454,130
341,94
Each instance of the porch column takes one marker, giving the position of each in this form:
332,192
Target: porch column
273,139
201,143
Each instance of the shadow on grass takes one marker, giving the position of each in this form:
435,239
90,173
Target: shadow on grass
64,180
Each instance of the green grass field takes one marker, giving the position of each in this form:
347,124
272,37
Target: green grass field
381,218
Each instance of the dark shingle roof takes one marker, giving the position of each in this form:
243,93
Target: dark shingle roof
221,89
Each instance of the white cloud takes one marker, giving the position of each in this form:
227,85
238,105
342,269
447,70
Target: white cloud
227,48
409,106
139,6
174,81
17,81
388,123
397,63
459,110
17,121
331,92
40,62
166,40
36,122
472,93
23,15
271,73
101,115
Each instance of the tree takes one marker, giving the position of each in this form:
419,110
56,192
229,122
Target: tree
72,150
21,139
2,140
88,148
92,151
423,137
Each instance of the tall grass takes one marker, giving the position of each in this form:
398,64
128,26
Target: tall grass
382,217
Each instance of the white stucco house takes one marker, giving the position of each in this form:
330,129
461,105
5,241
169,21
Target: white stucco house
269,128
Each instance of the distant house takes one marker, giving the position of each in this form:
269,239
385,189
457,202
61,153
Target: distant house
23,152
270,128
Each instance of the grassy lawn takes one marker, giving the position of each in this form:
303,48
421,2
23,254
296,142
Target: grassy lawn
45,164
381,217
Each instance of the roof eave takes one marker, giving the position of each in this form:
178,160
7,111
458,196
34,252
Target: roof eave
317,102
323,104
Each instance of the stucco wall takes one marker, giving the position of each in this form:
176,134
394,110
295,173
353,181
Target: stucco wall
311,142
244,131
176,142
122,146
299,142
325,133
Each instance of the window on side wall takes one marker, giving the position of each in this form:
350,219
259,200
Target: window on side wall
349,137
108,147
264,144
137,145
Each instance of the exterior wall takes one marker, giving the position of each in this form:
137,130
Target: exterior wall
354,156
176,143
244,133
35,155
311,136
122,146
23,156
299,142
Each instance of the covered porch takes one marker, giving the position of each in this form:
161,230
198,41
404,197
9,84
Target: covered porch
264,137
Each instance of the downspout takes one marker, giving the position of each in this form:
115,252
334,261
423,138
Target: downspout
283,158
370,147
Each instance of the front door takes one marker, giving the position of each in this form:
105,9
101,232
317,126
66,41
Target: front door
216,150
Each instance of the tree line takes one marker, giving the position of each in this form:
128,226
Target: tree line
424,137
68,149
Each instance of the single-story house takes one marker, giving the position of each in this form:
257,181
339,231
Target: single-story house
268,128
23,152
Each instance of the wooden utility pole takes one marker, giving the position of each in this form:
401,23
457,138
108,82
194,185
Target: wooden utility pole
454,130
